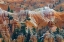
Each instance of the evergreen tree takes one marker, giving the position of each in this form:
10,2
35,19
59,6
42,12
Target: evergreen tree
39,33
23,29
34,31
61,9
28,36
0,35
53,5
11,11
62,33
8,9
15,34
3,40
39,39
57,31
10,18
27,16
59,1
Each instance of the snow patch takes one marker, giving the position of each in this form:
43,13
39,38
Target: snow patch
1,11
48,14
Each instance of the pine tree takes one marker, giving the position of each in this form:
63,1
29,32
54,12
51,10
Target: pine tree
62,33
28,36
38,38
57,31
34,31
15,34
10,18
3,40
59,1
61,9
0,35
53,6
23,29
27,16
11,11
8,9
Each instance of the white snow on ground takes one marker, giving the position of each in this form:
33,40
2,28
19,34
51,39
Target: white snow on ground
1,11
48,12
45,12
4,12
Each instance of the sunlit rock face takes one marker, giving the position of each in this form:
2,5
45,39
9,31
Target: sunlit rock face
33,38
38,17
41,17
48,37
